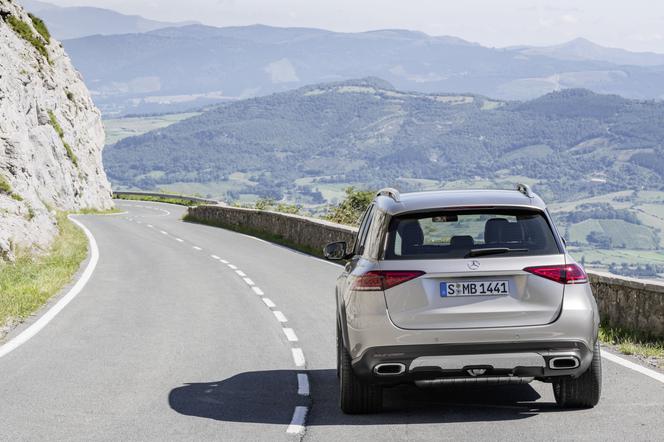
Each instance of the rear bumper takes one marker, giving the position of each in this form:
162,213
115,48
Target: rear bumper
366,327
453,361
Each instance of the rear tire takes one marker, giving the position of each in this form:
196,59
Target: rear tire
584,391
356,396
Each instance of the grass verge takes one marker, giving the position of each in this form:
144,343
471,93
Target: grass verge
159,199
634,343
28,282
267,236
97,211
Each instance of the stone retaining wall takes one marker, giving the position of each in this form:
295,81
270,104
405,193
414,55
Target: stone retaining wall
308,234
629,303
623,302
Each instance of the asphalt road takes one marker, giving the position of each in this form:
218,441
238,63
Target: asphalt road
167,341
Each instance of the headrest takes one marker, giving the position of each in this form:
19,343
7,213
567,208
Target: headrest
492,230
512,232
462,242
411,233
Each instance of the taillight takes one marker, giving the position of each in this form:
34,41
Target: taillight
564,273
383,280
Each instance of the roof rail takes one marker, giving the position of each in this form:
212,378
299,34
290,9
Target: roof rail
391,192
525,189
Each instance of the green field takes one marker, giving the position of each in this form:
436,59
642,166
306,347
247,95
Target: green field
632,244
119,128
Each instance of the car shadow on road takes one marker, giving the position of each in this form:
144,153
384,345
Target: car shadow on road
269,397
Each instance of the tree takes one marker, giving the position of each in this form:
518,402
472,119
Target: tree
352,207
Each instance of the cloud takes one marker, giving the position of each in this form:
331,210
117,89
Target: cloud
569,19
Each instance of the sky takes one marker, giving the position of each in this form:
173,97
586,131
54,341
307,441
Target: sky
637,25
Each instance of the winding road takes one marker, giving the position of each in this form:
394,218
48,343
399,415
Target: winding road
189,332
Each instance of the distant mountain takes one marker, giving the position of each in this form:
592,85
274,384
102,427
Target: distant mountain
573,142
582,49
186,67
80,21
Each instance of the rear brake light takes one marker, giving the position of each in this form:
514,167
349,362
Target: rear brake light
383,280
564,274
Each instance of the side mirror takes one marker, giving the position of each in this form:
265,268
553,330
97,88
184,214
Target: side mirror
335,251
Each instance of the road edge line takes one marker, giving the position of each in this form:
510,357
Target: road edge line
51,313
633,366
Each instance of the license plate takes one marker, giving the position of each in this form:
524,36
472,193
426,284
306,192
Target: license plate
475,288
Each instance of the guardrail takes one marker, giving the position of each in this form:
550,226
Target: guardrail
623,302
165,195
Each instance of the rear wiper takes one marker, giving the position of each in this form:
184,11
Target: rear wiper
492,251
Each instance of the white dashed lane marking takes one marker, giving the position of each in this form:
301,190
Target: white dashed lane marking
290,334
302,384
298,357
258,291
297,423
280,316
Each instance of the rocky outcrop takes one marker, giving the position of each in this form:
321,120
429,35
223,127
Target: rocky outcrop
51,135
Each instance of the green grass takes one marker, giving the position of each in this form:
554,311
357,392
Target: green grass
634,343
6,188
61,134
27,283
159,199
40,27
120,128
23,30
88,211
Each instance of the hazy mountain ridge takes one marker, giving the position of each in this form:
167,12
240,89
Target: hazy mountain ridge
584,49
80,21
190,66
366,132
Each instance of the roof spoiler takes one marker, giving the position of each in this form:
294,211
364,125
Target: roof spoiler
525,189
391,192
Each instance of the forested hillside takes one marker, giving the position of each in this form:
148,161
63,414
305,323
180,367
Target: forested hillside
573,143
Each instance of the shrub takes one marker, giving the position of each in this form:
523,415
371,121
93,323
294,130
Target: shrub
70,96
269,204
352,207
4,186
25,32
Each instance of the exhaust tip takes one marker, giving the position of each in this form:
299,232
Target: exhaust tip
389,369
564,362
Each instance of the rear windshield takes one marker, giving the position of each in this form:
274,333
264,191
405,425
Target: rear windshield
467,233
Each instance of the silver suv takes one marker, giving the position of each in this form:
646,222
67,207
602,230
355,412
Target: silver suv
471,287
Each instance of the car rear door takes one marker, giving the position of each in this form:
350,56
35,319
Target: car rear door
462,291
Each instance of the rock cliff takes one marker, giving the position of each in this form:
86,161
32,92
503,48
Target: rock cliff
51,135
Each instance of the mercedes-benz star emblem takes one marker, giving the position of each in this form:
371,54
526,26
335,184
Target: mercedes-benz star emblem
474,265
